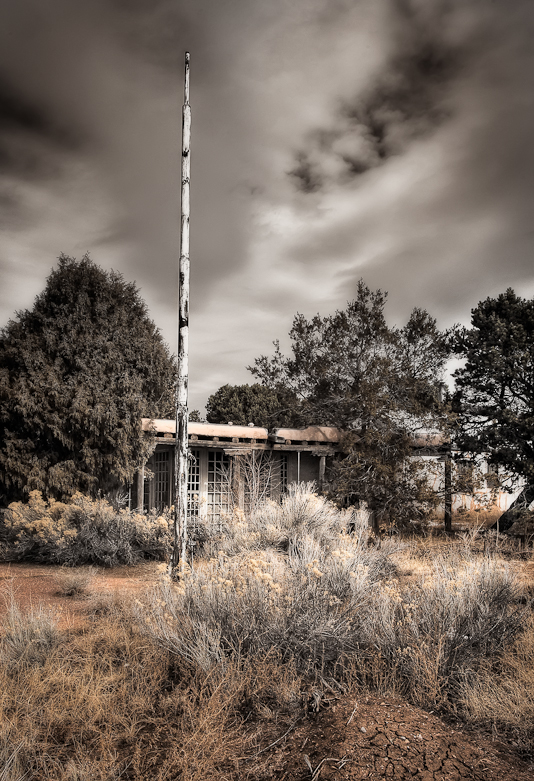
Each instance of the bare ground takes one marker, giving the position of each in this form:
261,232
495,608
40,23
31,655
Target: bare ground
383,738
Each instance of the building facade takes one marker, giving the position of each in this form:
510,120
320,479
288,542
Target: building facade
232,467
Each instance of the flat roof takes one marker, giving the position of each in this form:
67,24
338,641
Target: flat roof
310,434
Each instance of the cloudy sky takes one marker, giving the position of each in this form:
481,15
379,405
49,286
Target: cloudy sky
333,140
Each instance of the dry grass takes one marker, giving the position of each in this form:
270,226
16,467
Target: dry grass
196,678
108,703
502,694
27,639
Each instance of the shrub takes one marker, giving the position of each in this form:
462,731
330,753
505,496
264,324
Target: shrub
504,697
307,603
432,632
331,601
84,531
75,582
280,525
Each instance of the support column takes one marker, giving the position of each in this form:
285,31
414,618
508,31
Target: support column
238,488
140,489
322,469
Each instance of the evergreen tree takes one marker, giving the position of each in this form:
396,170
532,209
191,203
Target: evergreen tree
494,396
379,384
244,404
77,373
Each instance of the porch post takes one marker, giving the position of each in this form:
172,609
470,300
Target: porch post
448,492
140,489
322,469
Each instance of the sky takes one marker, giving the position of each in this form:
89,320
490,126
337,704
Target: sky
332,141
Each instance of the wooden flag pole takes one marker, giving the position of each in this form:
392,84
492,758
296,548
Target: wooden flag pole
179,554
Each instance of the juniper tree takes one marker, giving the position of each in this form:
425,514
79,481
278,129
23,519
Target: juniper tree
494,396
78,371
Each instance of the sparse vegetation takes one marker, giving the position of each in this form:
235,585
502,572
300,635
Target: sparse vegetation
197,678
75,582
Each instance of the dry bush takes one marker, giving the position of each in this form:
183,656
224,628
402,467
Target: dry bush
301,512
341,604
308,603
75,582
83,531
502,694
280,525
464,611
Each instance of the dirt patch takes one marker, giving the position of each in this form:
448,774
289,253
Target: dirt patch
35,584
375,738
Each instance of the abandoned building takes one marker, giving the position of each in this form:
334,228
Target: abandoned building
237,467
232,466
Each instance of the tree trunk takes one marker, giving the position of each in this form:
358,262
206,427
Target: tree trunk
448,493
518,506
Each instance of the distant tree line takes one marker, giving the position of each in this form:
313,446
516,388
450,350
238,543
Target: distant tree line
81,368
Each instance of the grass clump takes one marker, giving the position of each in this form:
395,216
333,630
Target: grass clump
75,582
27,639
501,695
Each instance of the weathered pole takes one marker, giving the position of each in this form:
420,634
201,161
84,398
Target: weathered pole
179,553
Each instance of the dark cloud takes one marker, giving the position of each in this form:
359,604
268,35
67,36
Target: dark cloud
30,136
406,101
18,113
407,126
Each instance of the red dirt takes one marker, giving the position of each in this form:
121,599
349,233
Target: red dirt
383,738
36,584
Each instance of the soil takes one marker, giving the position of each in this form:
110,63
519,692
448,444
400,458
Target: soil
36,584
351,738
375,738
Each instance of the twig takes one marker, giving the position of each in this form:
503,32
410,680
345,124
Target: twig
315,773
263,750
352,714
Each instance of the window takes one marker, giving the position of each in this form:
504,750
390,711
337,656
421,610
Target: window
162,479
193,489
219,484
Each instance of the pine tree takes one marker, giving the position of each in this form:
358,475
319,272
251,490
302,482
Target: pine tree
494,396
77,373
244,404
